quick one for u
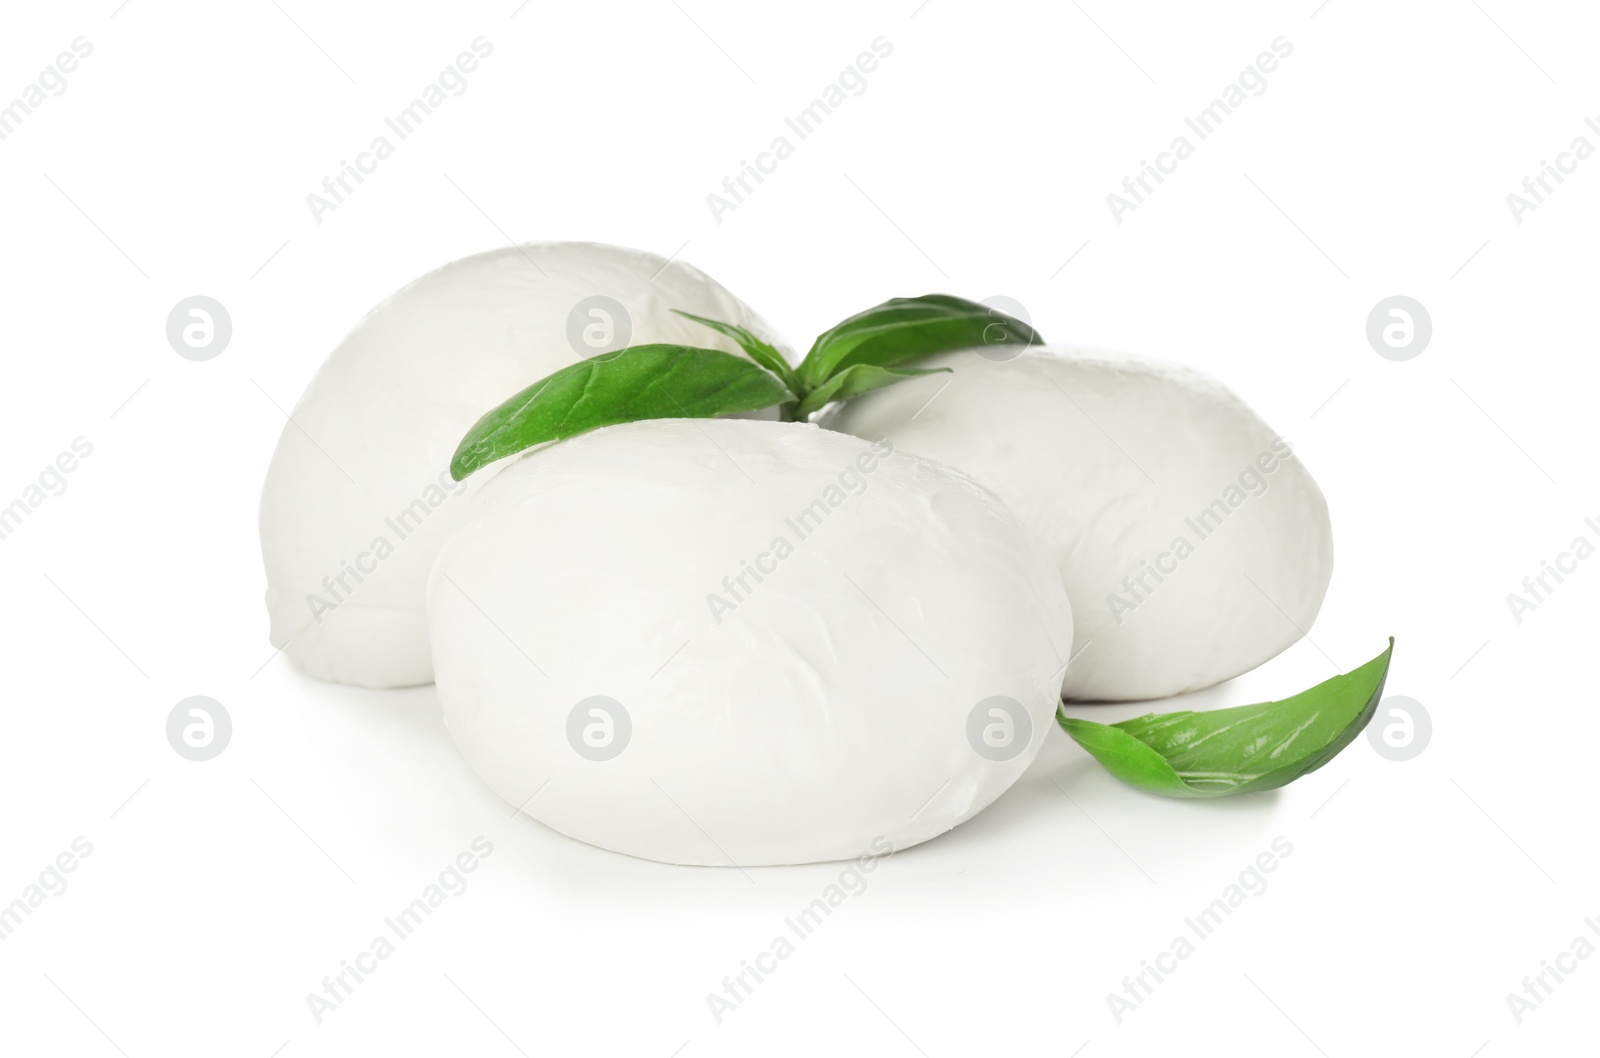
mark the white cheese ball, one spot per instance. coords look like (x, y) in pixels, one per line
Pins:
(359, 495)
(724, 642)
(1193, 544)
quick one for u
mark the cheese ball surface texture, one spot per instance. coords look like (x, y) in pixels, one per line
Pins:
(886, 671)
(358, 496)
(1194, 546)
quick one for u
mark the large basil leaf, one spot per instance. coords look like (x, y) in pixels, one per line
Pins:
(1239, 750)
(905, 329)
(640, 382)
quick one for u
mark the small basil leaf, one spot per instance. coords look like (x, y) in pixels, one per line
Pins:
(856, 380)
(904, 329)
(640, 382)
(759, 351)
(1240, 750)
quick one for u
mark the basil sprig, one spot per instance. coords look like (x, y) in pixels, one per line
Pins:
(863, 353)
(1240, 750)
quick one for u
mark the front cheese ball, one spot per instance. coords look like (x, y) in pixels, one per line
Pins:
(727, 642)
(359, 495)
(1193, 544)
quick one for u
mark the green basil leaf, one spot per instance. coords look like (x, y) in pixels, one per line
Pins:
(759, 351)
(640, 382)
(856, 380)
(1240, 750)
(904, 329)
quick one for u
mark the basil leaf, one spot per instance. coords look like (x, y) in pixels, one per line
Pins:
(640, 382)
(856, 380)
(904, 329)
(759, 351)
(1239, 750)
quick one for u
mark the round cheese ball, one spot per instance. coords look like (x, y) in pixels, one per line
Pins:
(727, 642)
(1193, 544)
(359, 495)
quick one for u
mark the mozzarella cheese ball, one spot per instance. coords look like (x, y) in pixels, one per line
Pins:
(1193, 544)
(730, 642)
(359, 495)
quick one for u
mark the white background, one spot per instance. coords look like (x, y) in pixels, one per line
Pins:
(978, 161)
